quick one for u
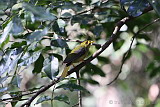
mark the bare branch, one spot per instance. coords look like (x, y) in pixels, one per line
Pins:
(129, 50)
(17, 96)
(43, 89)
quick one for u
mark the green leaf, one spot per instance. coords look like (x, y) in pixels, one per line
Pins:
(31, 59)
(38, 64)
(88, 2)
(118, 44)
(17, 6)
(10, 60)
(58, 56)
(39, 13)
(6, 31)
(93, 70)
(59, 43)
(42, 99)
(6, 4)
(103, 59)
(97, 30)
(5, 42)
(153, 68)
(82, 19)
(33, 46)
(56, 28)
(72, 87)
(154, 72)
(143, 48)
(61, 23)
(137, 53)
(17, 81)
(18, 44)
(37, 35)
(63, 98)
(66, 15)
(77, 6)
(17, 27)
(150, 66)
(2, 79)
(32, 26)
(156, 52)
(108, 4)
(143, 36)
(3, 89)
(91, 81)
(51, 67)
(107, 19)
(128, 55)
(136, 7)
(156, 5)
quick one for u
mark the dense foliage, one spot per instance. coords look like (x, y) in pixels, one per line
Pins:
(36, 35)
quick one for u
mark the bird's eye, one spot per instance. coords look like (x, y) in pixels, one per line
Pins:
(86, 42)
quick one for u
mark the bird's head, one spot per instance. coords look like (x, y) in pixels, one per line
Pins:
(87, 43)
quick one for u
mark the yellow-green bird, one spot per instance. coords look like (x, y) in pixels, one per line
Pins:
(76, 55)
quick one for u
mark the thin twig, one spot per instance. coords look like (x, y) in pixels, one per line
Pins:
(123, 61)
(85, 11)
(43, 89)
(70, 40)
(17, 96)
(129, 50)
(147, 25)
(52, 95)
(17, 100)
(79, 92)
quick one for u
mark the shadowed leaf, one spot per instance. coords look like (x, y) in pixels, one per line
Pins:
(38, 64)
(59, 43)
(37, 35)
(31, 59)
(72, 87)
(42, 99)
(3, 89)
(17, 81)
(63, 98)
(51, 67)
(39, 13)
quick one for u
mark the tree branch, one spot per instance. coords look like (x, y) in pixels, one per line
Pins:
(43, 89)
(129, 50)
(78, 67)
(103, 47)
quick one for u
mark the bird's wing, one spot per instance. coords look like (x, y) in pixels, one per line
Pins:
(73, 56)
(65, 72)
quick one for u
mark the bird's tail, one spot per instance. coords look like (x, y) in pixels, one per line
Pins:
(65, 71)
